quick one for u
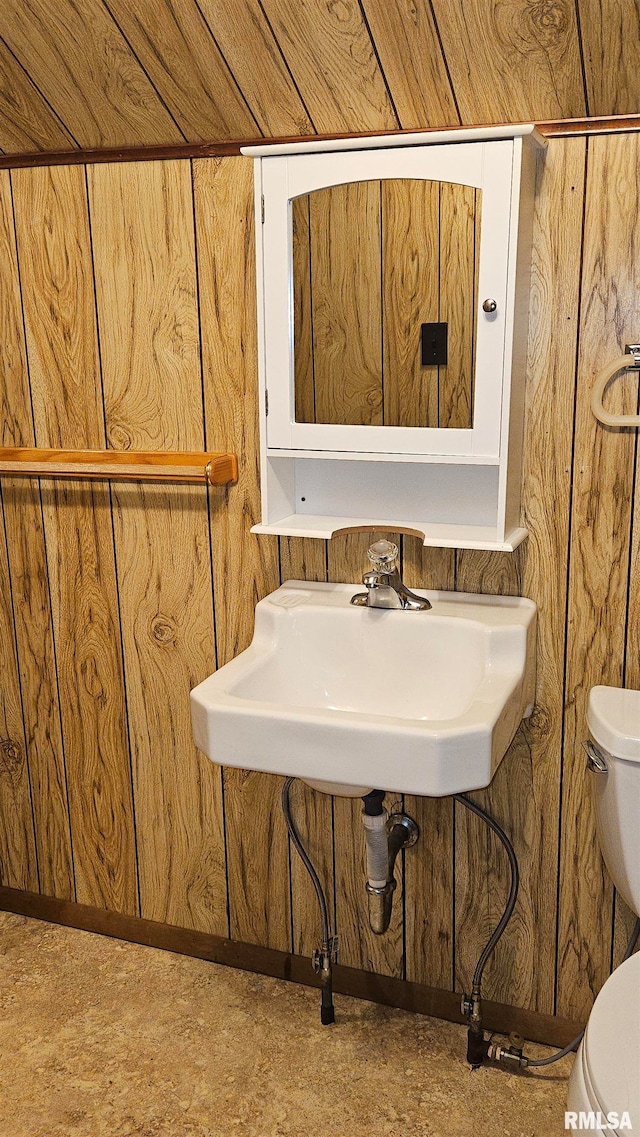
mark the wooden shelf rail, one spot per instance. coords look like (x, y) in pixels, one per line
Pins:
(214, 469)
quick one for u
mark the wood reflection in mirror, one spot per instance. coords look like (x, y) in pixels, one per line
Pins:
(372, 262)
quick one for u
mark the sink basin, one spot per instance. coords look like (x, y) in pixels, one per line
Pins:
(351, 699)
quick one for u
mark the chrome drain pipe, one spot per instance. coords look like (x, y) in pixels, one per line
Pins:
(385, 837)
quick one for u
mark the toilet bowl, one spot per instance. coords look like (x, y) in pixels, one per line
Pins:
(605, 1080)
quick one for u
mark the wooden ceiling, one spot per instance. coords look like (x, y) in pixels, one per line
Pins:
(111, 73)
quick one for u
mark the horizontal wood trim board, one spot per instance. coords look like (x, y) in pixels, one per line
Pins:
(383, 989)
(212, 467)
(560, 128)
(129, 154)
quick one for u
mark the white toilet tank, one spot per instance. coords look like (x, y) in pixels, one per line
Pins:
(614, 722)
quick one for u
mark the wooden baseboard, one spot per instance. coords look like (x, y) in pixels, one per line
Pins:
(383, 989)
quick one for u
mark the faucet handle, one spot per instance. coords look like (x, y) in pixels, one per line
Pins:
(384, 556)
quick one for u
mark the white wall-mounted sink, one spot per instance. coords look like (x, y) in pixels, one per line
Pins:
(351, 699)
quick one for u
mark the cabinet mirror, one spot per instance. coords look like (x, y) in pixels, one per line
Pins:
(385, 291)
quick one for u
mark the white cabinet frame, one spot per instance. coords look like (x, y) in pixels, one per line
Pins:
(456, 488)
(487, 166)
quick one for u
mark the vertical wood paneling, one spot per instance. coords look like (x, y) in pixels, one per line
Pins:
(144, 251)
(77, 520)
(245, 567)
(39, 682)
(18, 866)
(347, 312)
(600, 551)
(59, 306)
(302, 558)
(302, 310)
(549, 412)
(30, 588)
(429, 893)
(457, 302)
(410, 276)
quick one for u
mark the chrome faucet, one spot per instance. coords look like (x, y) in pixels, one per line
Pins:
(383, 583)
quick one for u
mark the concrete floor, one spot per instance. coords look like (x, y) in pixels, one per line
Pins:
(101, 1037)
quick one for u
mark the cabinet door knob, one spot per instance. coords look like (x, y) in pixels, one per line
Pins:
(489, 305)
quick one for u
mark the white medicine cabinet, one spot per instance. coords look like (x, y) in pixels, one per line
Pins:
(393, 279)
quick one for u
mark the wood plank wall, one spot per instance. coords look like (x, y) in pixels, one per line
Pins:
(127, 317)
(108, 73)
